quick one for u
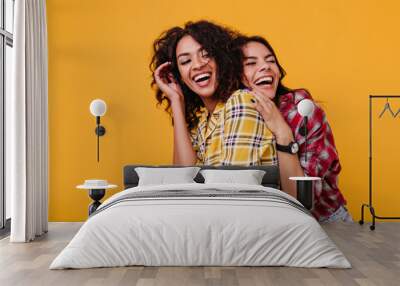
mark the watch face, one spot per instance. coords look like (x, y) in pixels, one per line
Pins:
(295, 148)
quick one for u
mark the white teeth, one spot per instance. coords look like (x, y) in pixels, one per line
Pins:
(201, 77)
(265, 80)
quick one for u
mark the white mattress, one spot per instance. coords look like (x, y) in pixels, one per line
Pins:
(191, 231)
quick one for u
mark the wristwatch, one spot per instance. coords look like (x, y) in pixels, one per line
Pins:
(292, 148)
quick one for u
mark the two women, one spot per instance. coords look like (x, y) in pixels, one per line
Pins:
(197, 76)
(198, 69)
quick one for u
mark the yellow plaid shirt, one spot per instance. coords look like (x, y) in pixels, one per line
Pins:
(234, 134)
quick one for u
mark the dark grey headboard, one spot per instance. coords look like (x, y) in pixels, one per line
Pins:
(271, 177)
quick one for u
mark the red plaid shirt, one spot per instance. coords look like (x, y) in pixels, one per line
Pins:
(322, 156)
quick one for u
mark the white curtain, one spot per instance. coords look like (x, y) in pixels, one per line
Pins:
(26, 124)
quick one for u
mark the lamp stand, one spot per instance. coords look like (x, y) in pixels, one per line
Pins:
(100, 131)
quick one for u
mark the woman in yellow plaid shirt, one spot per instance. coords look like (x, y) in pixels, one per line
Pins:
(198, 78)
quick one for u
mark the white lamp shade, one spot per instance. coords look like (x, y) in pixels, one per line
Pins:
(98, 107)
(305, 107)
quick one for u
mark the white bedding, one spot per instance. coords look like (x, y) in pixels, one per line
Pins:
(200, 231)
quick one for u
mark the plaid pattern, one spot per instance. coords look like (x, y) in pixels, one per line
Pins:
(322, 156)
(234, 134)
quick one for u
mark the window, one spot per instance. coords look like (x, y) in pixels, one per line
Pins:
(6, 57)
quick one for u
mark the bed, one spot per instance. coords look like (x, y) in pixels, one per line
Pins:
(198, 224)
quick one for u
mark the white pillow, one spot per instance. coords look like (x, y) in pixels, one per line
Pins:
(163, 176)
(249, 177)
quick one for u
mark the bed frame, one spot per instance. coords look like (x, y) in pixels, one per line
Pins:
(270, 179)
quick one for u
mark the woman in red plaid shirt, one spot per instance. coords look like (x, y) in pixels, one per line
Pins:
(263, 75)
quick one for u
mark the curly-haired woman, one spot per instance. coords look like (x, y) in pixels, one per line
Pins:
(197, 78)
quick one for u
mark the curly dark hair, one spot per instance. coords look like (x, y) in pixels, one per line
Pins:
(217, 41)
(237, 46)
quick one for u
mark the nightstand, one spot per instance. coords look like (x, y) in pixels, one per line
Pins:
(97, 190)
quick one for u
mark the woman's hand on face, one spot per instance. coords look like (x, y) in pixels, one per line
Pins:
(272, 116)
(167, 83)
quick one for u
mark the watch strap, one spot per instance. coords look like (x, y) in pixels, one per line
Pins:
(288, 148)
(284, 148)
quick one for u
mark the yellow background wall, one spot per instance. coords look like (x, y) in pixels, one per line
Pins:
(342, 51)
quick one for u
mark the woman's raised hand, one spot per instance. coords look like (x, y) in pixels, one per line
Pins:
(272, 116)
(168, 84)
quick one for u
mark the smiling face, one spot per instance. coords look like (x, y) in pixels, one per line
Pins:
(198, 71)
(260, 69)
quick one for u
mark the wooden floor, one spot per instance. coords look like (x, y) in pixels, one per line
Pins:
(375, 256)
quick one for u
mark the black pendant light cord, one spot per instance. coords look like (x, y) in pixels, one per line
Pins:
(98, 137)
(305, 131)
(98, 145)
